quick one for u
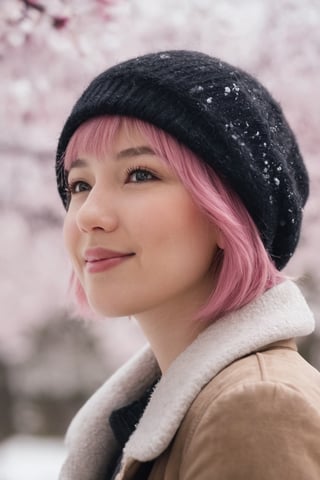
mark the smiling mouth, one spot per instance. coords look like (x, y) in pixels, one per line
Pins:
(103, 264)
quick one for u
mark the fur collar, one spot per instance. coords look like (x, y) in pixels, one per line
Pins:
(281, 313)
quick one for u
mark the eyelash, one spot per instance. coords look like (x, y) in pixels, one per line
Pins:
(147, 170)
(72, 187)
(129, 171)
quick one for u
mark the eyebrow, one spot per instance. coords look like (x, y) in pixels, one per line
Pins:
(134, 152)
(78, 163)
(123, 154)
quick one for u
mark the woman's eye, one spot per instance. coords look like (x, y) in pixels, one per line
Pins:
(78, 187)
(138, 175)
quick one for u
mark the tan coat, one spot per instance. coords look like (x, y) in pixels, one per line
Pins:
(258, 419)
(233, 406)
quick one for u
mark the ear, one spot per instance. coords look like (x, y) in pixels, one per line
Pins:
(220, 240)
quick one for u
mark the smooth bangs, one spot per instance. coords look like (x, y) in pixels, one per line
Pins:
(93, 137)
(242, 270)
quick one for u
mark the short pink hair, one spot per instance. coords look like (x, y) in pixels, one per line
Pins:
(243, 270)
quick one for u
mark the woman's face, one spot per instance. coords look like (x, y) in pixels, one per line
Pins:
(136, 239)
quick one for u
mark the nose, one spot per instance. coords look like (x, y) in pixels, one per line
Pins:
(97, 213)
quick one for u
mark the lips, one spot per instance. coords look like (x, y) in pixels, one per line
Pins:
(99, 259)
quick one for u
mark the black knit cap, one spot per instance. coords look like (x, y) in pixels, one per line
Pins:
(223, 115)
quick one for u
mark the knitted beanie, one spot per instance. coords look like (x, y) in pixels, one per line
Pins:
(221, 113)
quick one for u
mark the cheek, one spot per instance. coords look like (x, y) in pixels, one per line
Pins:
(70, 237)
(179, 232)
(195, 242)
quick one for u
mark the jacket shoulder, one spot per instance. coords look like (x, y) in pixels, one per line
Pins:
(279, 363)
(259, 418)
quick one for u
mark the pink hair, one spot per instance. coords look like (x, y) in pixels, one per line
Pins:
(243, 270)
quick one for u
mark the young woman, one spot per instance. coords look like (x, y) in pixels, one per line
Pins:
(184, 189)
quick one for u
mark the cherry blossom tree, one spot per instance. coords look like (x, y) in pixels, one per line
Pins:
(51, 49)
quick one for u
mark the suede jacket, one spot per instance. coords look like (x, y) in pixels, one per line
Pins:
(239, 403)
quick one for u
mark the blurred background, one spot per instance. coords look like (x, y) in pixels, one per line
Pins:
(50, 362)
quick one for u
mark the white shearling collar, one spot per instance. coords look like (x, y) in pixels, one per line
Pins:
(279, 314)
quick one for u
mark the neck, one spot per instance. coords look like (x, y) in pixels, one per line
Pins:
(169, 332)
